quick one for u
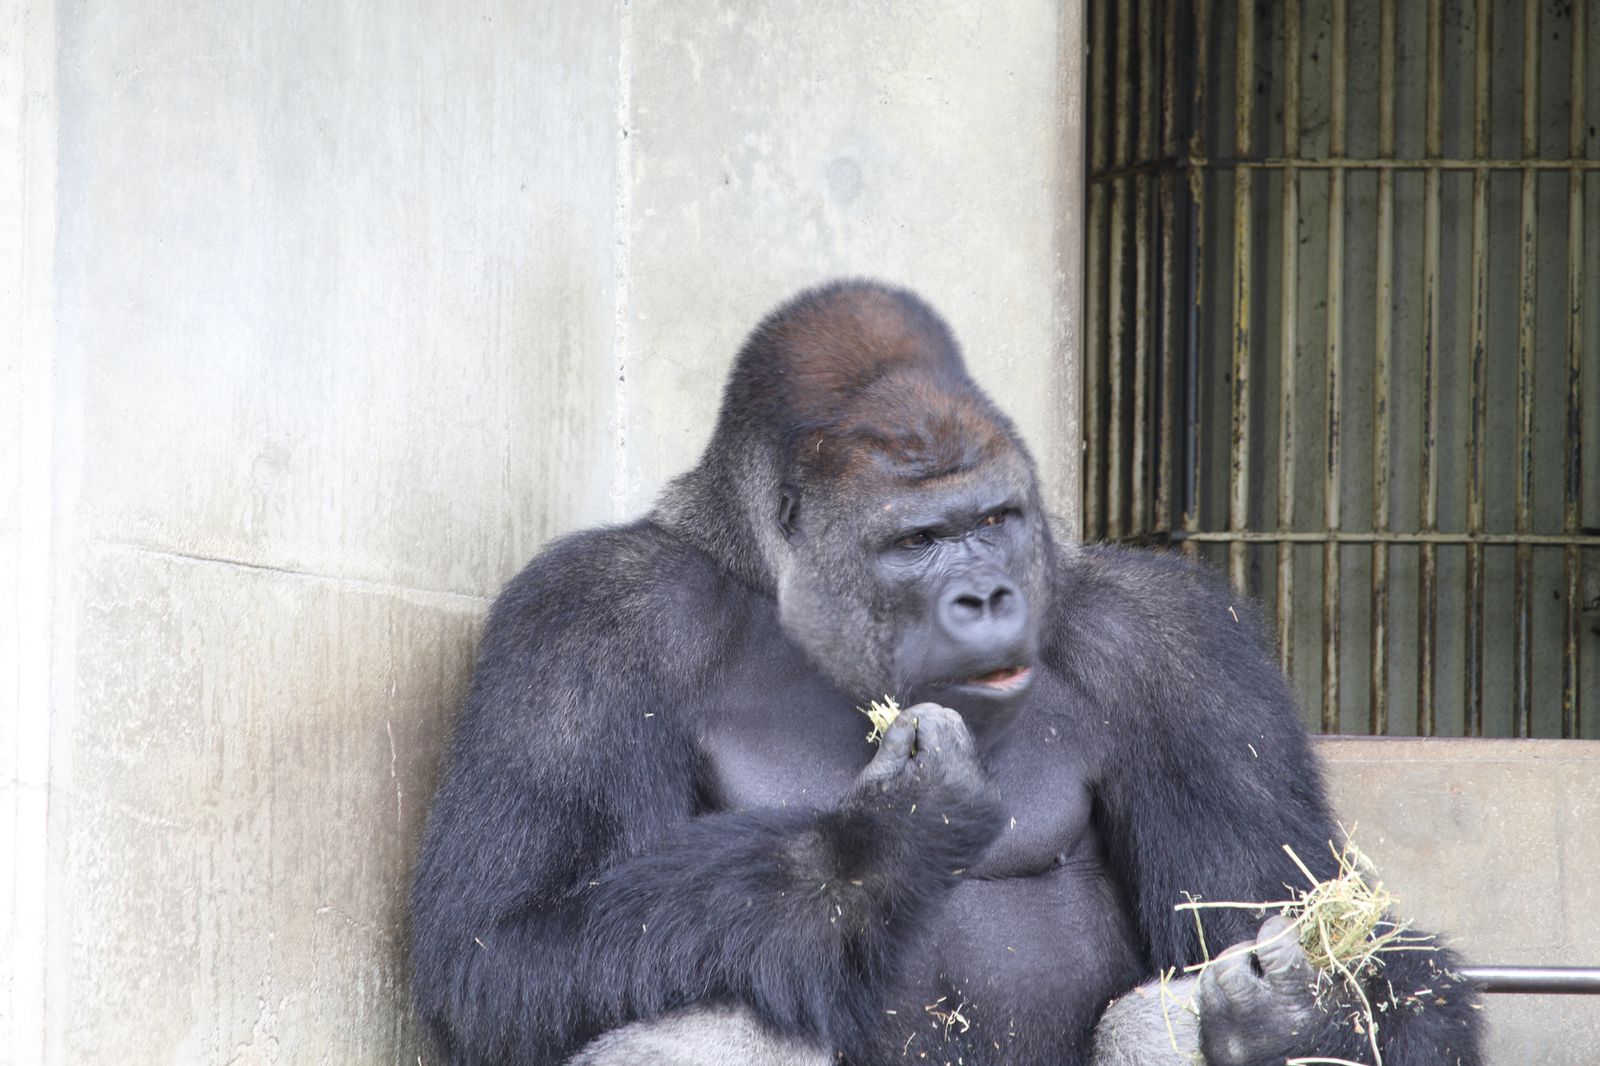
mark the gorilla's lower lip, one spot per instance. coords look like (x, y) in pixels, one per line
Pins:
(1005, 679)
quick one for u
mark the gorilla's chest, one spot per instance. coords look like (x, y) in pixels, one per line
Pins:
(775, 733)
(778, 734)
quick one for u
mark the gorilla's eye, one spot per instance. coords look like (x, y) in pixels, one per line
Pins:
(912, 541)
(995, 519)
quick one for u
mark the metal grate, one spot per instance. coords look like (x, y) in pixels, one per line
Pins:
(1337, 272)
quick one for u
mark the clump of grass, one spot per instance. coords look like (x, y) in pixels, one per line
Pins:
(882, 716)
(1343, 922)
(1344, 926)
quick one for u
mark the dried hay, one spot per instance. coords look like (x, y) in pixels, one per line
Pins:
(882, 716)
(1344, 927)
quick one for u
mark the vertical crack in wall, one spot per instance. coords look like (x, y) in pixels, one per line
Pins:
(399, 795)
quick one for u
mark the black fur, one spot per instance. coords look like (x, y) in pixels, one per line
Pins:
(659, 796)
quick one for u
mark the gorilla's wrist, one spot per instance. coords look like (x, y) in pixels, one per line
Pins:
(932, 827)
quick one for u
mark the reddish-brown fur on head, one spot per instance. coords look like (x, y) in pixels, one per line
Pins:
(858, 378)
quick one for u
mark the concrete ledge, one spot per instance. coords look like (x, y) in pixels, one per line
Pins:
(1495, 843)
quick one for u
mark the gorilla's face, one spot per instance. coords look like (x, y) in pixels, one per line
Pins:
(923, 589)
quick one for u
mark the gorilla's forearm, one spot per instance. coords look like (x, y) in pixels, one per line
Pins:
(1425, 1016)
(797, 914)
(801, 916)
(1209, 783)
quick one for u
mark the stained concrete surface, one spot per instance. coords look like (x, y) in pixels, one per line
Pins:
(316, 328)
(1493, 843)
(917, 143)
(248, 778)
(318, 321)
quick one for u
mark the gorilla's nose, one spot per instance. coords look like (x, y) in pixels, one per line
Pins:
(983, 615)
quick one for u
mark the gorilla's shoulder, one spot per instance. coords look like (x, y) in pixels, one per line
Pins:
(1129, 610)
(613, 572)
(632, 594)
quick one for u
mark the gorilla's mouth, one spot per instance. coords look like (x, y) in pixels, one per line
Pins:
(1004, 679)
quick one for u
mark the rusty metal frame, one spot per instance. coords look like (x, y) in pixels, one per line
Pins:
(1153, 180)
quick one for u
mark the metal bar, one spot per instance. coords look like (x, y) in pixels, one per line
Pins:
(1478, 345)
(1331, 501)
(1117, 305)
(1527, 340)
(1427, 569)
(1572, 439)
(1288, 327)
(1239, 440)
(1196, 311)
(1534, 540)
(1383, 327)
(1539, 980)
(1166, 462)
(1346, 163)
(1096, 281)
(1144, 254)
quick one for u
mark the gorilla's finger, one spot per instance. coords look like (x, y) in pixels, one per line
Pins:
(899, 739)
(1283, 961)
(942, 731)
(893, 753)
(1229, 981)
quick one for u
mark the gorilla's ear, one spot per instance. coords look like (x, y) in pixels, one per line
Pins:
(788, 509)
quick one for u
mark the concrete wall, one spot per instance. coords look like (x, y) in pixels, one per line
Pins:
(318, 320)
(1491, 842)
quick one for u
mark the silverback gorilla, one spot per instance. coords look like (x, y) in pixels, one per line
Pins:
(662, 826)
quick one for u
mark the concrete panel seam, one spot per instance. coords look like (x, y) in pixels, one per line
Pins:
(446, 596)
(29, 200)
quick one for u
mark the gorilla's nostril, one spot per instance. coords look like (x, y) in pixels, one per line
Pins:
(968, 606)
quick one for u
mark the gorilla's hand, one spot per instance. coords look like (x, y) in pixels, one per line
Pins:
(928, 749)
(1257, 999)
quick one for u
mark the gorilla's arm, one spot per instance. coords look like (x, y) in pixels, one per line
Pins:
(1207, 774)
(565, 884)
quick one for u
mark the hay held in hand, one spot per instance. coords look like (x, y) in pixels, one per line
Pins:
(1343, 925)
(882, 716)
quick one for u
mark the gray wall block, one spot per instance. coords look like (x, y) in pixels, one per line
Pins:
(770, 149)
(1492, 843)
(245, 783)
(336, 280)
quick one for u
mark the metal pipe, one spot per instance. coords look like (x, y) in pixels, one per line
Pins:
(1527, 340)
(1143, 255)
(1095, 281)
(1348, 163)
(1117, 309)
(1427, 569)
(1536, 540)
(1196, 312)
(1473, 627)
(1239, 438)
(1288, 327)
(1383, 328)
(1166, 417)
(1536, 980)
(1331, 501)
(1572, 439)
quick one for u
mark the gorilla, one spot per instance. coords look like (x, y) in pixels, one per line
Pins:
(663, 836)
